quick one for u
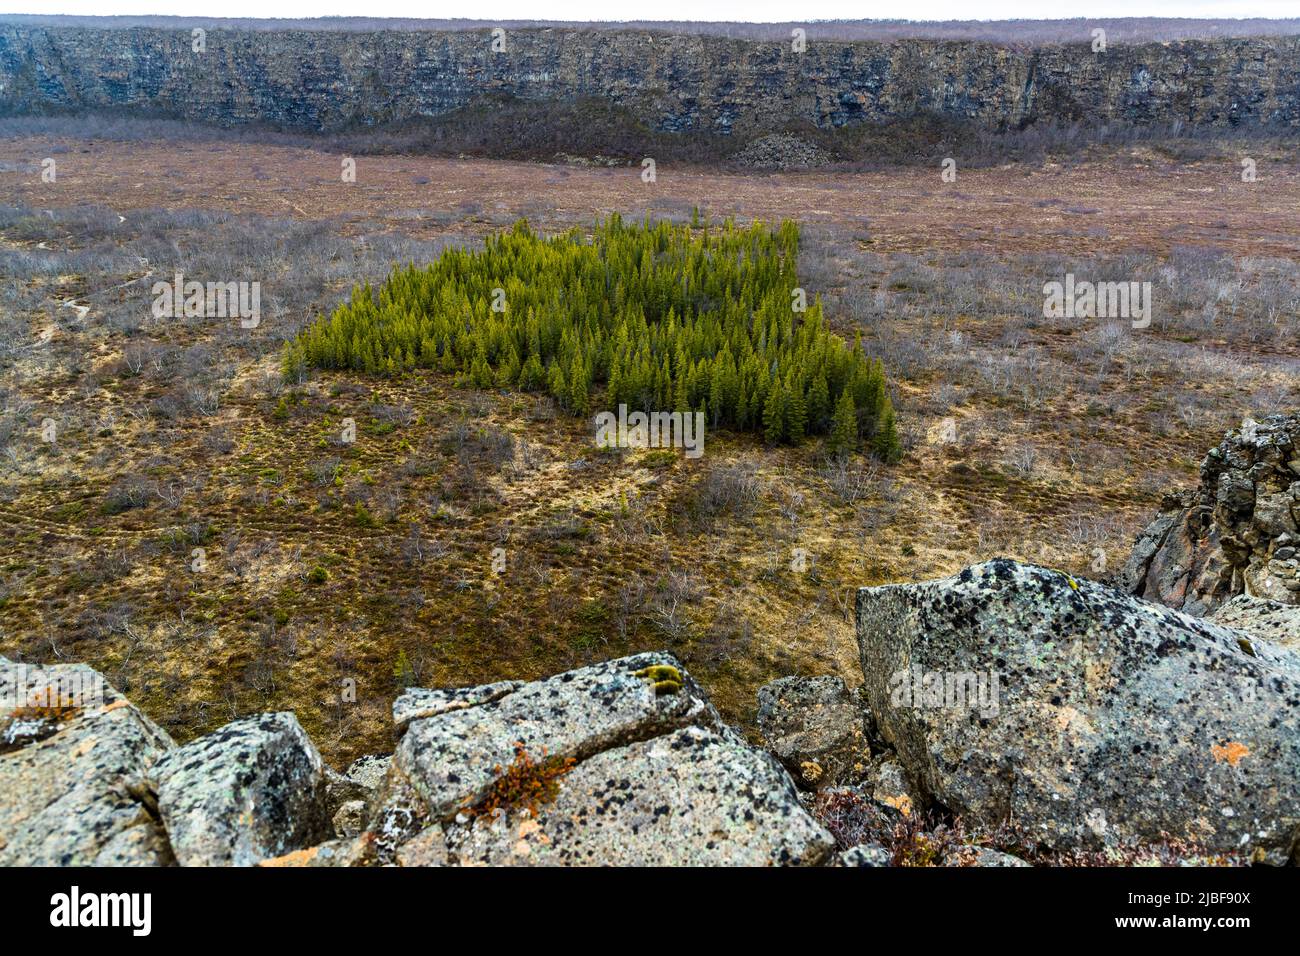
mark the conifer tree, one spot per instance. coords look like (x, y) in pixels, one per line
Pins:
(844, 426)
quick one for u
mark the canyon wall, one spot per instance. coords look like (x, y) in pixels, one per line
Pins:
(321, 81)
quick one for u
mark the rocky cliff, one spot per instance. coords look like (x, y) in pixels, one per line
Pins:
(1237, 533)
(320, 81)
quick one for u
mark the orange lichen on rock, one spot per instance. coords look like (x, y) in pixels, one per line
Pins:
(1231, 752)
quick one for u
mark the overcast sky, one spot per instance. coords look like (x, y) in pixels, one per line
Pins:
(749, 10)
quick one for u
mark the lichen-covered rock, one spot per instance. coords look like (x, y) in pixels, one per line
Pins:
(333, 853)
(981, 856)
(71, 771)
(1014, 692)
(368, 772)
(252, 790)
(866, 855)
(426, 848)
(1237, 533)
(350, 819)
(453, 758)
(889, 787)
(689, 798)
(1263, 620)
(814, 726)
(417, 703)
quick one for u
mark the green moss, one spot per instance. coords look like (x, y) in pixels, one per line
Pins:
(665, 678)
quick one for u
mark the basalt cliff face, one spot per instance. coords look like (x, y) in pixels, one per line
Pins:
(314, 80)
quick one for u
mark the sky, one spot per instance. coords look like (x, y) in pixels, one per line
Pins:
(744, 10)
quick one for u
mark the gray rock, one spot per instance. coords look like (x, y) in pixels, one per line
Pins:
(332, 853)
(981, 856)
(368, 772)
(71, 791)
(1235, 533)
(452, 759)
(866, 854)
(350, 819)
(427, 848)
(690, 798)
(417, 703)
(253, 790)
(814, 726)
(1085, 715)
(360, 782)
(1263, 620)
(890, 787)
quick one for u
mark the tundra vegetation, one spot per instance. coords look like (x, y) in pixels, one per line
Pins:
(472, 532)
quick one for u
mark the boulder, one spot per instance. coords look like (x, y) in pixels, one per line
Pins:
(688, 798)
(1014, 692)
(814, 726)
(368, 772)
(350, 819)
(889, 787)
(1262, 620)
(1237, 533)
(618, 763)
(73, 755)
(453, 758)
(252, 790)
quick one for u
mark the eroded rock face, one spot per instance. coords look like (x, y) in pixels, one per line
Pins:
(1263, 620)
(649, 775)
(71, 778)
(1109, 719)
(253, 790)
(814, 726)
(1238, 533)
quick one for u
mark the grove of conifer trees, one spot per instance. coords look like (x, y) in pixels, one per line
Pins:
(657, 316)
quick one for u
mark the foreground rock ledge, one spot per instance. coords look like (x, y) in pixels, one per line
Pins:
(655, 777)
(639, 767)
(1111, 719)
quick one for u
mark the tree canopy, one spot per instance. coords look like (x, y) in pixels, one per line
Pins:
(657, 316)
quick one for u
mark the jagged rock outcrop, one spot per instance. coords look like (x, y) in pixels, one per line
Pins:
(322, 80)
(625, 762)
(1237, 533)
(815, 727)
(1014, 692)
(73, 755)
